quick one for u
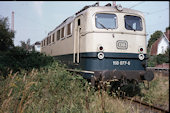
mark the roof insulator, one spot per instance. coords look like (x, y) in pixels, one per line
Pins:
(86, 7)
(109, 4)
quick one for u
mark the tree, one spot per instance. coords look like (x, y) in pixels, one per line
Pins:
(154, 37)
(161, 58)
(6, 35)
(23, 45)
(26, 45)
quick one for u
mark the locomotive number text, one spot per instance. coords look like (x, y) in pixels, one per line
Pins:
(121, 63)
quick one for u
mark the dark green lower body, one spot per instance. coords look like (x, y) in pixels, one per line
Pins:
(90, 61)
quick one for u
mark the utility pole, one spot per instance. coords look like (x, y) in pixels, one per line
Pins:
(12, 27)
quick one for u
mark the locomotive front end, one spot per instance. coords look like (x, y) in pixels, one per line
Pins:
(116, 45)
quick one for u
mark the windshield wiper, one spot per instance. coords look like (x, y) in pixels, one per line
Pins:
(102, 25)
(130, 27)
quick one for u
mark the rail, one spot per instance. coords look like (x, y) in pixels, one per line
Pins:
(155, 68)
(146, 105)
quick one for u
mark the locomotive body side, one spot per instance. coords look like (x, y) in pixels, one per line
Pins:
(102, 41)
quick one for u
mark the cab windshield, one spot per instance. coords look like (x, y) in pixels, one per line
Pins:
(106, 21)
(133, 23)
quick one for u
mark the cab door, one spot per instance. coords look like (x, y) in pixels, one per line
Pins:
(77, 31)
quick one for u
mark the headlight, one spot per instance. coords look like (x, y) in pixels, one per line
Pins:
(141, 56)
(100, 55)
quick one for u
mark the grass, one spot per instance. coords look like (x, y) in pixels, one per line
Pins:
(52, 89)
(102, 103)
(47, 90)
(158, 93)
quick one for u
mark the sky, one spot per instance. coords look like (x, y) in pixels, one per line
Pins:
(35, 19)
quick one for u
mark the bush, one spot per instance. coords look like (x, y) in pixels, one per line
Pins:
(152, 61)
(17, 58)
(162, 58)
(159, 59)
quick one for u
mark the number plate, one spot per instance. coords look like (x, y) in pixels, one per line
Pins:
(121, 63)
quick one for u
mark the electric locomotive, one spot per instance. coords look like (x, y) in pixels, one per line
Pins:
(104, 42)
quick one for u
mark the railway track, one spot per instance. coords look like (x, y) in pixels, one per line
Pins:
(158, 69)
(145, 106)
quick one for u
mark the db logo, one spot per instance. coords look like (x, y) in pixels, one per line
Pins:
(122, 44)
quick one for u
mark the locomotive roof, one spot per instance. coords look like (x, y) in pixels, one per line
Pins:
(93, 9)
(110, 9)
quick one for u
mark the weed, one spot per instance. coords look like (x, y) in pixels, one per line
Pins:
(158, 92)
(53, 89)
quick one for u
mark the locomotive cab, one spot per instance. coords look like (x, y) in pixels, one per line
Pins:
(110, 41)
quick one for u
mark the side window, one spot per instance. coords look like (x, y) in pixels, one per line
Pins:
(49, 39)
(53, 37)
(69, 30)
(62, 32)
(41, 43)
(58, 35)
(79, 22)
(162, 49)
(71, 26)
